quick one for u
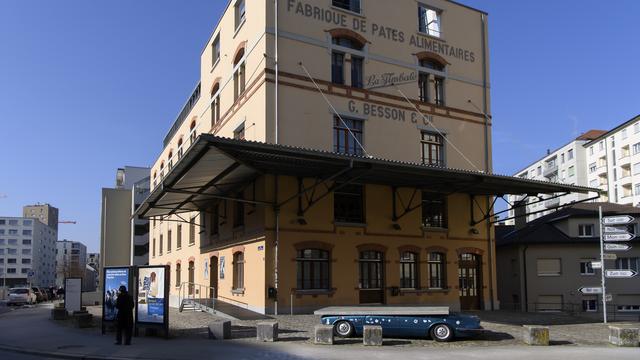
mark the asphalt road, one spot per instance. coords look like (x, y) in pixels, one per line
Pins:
(17, 356)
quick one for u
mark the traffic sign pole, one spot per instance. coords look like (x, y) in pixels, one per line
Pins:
(604, 289)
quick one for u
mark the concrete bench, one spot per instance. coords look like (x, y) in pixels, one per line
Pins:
(323, 335)
(220, 330)
(267, 331)
(372, 335)
(536, 335)
(624, 336)
(82, 319)
(58, 314)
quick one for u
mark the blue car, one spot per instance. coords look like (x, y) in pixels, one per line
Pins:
(438, 327)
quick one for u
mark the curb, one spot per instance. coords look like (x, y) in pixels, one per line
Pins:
(63, 355)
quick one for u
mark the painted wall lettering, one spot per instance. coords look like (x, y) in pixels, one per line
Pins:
(388, 113)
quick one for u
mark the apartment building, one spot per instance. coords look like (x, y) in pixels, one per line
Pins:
(71, 260)
(334, 152)
(46, 213)
(613, 163)
(93, 260)
(27, 252)
(568, 165)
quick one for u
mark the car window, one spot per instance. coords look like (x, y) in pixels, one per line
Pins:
(19, 291)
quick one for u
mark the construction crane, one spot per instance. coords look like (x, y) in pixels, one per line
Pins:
(66, 222)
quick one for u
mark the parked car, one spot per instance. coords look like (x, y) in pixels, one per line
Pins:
(21, 296)
(396, 324)
(39, 295)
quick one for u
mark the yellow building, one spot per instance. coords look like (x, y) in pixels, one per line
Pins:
(336, 153)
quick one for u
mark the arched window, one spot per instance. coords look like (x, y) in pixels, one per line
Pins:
(191, 271)
(408, 270)
(312, 269)
(238, 271)
(180, 150)
(192, 132)
(238, 74)
(170, 159)
(343, 39)
(162, 170)
(215, 105)
(436, 264)
(178, 274)
(431, 86)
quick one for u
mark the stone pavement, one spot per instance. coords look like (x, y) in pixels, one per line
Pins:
(31, 331)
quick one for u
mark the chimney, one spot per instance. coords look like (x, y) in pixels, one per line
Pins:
(548, 151)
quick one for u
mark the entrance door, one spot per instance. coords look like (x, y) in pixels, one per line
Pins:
(213, 277)
(371, 264)
(191, 273)
(470, 281)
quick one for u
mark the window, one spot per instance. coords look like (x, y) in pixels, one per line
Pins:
(408, 270)
(432, 149)
(628, 263)
(562, 158)
(178, 274)
(347, 135)
(351, 5)
(539, 170)
(636, 128)
(601, 145)
(215, 106)
(27, 222)
(591, 150)
(153, 249)
(572, 171)
(192, 231)
(624, 134)
(215, 220)
(636, 189)
(429, 21)
(434, 210)
(191, 277)
(549, 267)
(436, 263)
(215, 50)
(357, 72)
(585, 230)
(12, 261)
(592, 167)
(636, 148)
(585, 267)
(161, 244)
(168, 240)
(240, 13)
(238, 271)
(348, 203)
(570, 154)
(431, 87)
(590, 305)
(337, 68)
(13, 222)
(3, 222)
(238, 211)
(312, 269)
(26, 251)
(238, 133)
(26, 261)
(12, 251)
(338, 59)
(238, 75)
(11, 271)
(626, 308)
(13, 232)
(13, 241)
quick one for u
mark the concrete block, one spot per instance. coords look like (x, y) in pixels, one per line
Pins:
(536, 335)
(323, 335)
(624, 336)
(58, 314)
(267, 331)
(82, 320)
(372, 335)
(220, 330)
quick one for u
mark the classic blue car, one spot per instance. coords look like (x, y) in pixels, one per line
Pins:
(399, 324)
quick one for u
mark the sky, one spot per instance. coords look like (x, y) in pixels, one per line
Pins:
(87, 87)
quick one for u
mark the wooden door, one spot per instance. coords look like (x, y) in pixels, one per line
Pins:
(371, 266)
(470, 281)
(213, 277)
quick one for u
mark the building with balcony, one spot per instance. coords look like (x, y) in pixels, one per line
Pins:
(334, 152)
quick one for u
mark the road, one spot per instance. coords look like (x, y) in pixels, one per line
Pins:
(17, 356)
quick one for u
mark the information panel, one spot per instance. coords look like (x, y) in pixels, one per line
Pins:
(73, 294)
(151, 295)
(113, 279)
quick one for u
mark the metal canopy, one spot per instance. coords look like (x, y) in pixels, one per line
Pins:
(215, 168)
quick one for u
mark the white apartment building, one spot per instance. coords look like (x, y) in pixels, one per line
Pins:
(564, 165)
(613, 163)
(71, 260)
(27, 252)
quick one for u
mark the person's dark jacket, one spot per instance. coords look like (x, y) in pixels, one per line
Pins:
(124, 304)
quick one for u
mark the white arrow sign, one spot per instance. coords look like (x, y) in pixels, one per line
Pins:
(617, 220)
(620, 273)
(614, 230)
(617, 247)
(618, 237)
(609, 256)
(596, 265)
(590, 290)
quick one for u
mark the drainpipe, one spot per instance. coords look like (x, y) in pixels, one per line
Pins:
(486, 152)
(276, 72)
(524, 278)
(276, 209)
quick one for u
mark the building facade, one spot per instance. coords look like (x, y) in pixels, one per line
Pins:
(542, 264)
(46, 213)
(27, 252)
(71, 260)
(357, 80)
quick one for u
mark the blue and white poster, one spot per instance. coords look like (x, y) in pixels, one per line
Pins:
(151, 295)
(113, 279)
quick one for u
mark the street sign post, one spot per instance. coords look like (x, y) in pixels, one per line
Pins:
(617, 247)
(617, 220)
(619, 237)
(590, 290)
(614, 230)
(620, 274)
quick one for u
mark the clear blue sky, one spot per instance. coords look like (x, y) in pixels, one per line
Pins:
(89, 86)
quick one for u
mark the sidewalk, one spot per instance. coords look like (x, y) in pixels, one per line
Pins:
(30, 331)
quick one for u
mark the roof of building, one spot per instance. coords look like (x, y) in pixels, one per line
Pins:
(591, 134)
(213, 167)
(615, 129)
(543, 230)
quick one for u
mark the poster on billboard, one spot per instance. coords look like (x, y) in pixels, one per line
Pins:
(73, 294)
(152, 302)
(113, 279)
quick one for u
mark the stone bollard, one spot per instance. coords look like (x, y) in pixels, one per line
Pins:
(323, 335)
(82, 319)
(267, 331)
(372, 335)
(220, 330)
(58, 314)
(624, 336)
(536, 335)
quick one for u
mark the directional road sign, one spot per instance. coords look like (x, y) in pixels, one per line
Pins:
(618, 237)
(620, 273)
(596, 265)
(590, 290)
(608, 297)
(614, 230)
(617, 220)
(609, 256)
(617, 247)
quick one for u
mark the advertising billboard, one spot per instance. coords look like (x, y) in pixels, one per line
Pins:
(113, 279)
(73, 294)
(151, 304)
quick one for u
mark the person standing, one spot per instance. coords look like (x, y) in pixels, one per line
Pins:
(124, 319)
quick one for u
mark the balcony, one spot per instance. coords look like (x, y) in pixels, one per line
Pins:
(625, 180)
(625, 161)
(550, 170)
(601, 170)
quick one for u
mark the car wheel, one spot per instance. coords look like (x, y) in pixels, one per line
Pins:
(441, 333)
(343, 328)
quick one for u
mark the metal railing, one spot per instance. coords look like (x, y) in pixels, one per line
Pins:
(197, 297)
